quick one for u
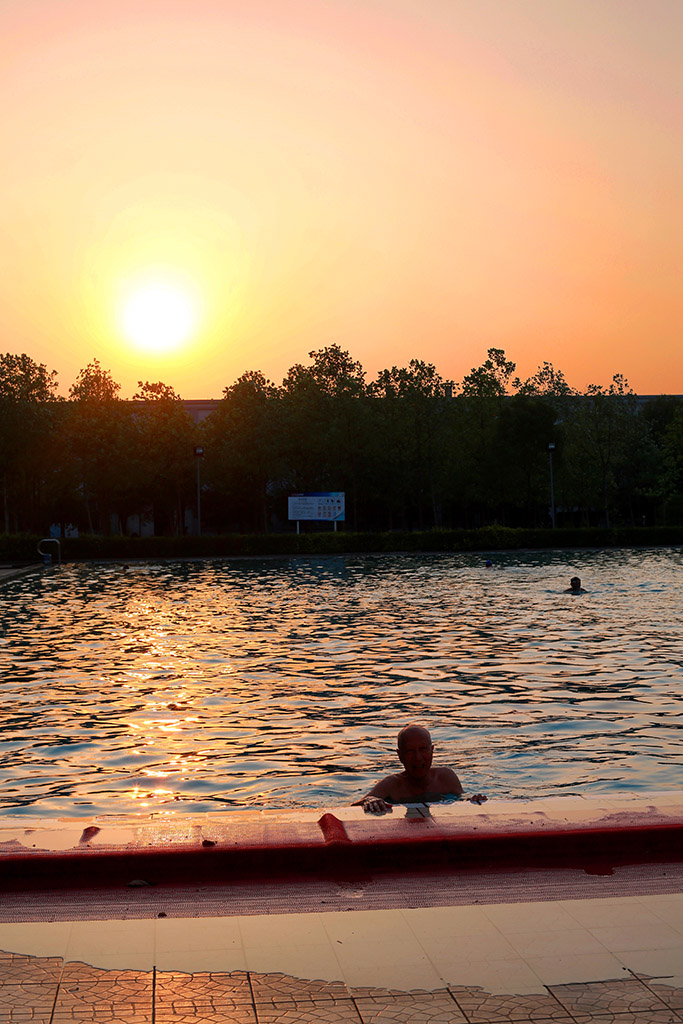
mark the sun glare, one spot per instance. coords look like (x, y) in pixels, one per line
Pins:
(158, 316)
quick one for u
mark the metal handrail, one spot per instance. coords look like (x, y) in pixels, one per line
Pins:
(46, 554)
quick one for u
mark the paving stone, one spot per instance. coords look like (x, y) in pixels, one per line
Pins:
(326, 1012)
(605, 997)
(177, 988)
(282, 988)
(416, 1009)
(365, 992)
(23, 1016)
(102, 1015)
(124, 995)
(669, 994)
(640, 1017)
(213, 1012)
(481, 1007)
(544, 1020)
(16, 968)
(87, 973)
(122, 986)
(27, 1001)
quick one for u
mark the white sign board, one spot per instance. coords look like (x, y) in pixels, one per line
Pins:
(321, 505)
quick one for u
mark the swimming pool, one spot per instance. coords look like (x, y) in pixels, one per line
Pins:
(200, 685)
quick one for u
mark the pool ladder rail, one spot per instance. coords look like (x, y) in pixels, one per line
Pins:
(47, 557)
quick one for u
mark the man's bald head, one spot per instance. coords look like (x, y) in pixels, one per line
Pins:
(413, 733)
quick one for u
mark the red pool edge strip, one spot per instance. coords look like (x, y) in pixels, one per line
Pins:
(595, 850)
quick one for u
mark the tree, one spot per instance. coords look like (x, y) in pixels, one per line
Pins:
(546, 381)
(23, 380)
(483, 390)
(491, 379)
(243, 451)
(672, 475)
(609, 448)
(94, 385)
(324, 417)
(524, 426)
(99, 435)
(332, 372)
(411, 415)
(28, 404)
(164, 442)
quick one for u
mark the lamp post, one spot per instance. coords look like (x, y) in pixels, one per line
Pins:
(551, 449)
(199, 455)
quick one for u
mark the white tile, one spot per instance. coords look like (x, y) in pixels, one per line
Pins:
(447, 921)
(554, 943)
(495, 976)
(91, 939)
(610, 913)
(36, 938)
(657, 962)
(121, 961)
(642, 936)
(196, 960)
(379, 954)
(669, 910)
(575, 969)
(281, 929)
(669, 897)
(672, 980)
(197, 933)
(402, 977)
(529, 917)
(377, 926)
(477, 946)
(309, 962)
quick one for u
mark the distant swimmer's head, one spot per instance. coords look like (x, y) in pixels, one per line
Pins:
(489, 563)
(575, 586)
(415, 751)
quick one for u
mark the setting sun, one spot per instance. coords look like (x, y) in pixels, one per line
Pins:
(158, 316)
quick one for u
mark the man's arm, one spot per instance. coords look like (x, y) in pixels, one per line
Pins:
(450, 783)
(375, 802)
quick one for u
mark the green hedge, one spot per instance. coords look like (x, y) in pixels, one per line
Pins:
(22, 548)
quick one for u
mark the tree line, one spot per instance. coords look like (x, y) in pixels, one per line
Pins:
(410, 449)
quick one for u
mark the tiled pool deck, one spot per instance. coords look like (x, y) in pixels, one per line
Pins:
(502, 943)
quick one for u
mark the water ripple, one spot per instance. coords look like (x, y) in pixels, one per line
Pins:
(282, 682)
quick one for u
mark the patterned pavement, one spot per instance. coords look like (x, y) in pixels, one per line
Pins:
(47, 990)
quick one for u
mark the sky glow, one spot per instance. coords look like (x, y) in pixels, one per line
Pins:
(406, 178)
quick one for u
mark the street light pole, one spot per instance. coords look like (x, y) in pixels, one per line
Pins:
(199, 454)
(551, 449)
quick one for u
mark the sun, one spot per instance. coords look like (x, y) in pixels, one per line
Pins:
(158, 315)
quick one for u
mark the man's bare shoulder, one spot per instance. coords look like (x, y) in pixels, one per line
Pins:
(390, 786)
(447, 781)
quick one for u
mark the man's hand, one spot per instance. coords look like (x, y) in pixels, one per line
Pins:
(478, 798)
(375, 805)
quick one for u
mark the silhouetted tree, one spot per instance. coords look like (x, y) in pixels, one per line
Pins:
(164, 447)
(28, 412)
(411, 410)
(243, 441)
(99, 433)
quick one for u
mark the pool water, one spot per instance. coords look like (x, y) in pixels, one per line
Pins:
(201, 685)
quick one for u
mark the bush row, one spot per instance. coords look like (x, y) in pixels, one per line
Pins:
(23, 547)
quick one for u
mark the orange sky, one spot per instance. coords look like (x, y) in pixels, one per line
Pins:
(407, 178)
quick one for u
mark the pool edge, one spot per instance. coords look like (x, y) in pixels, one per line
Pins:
(595, 834)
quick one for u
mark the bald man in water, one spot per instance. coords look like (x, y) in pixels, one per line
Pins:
(418, 782)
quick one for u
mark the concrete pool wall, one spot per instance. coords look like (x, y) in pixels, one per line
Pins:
(594, 834)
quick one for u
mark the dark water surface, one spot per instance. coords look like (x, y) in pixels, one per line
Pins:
(282, 683)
